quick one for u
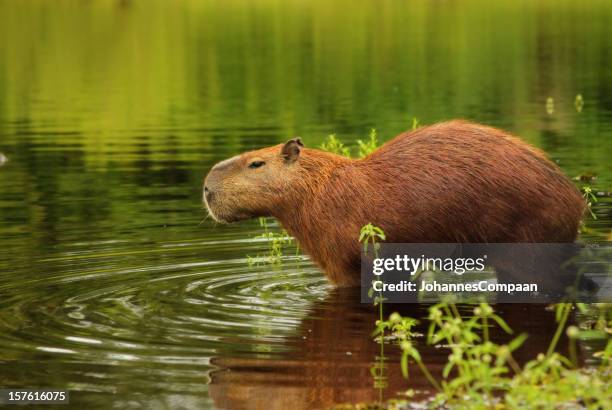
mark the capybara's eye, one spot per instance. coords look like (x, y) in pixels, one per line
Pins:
(256, 164)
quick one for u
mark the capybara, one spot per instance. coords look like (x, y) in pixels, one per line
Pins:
(452, 182)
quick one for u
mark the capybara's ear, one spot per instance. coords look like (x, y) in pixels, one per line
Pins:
(291, 149)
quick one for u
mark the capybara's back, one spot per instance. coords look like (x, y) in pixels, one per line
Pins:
(462, 182)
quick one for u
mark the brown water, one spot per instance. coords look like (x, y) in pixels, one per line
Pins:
(112, 282)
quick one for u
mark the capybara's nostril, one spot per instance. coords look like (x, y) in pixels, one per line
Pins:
(207, 194)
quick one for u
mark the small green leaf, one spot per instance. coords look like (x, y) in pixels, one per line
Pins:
(404, 365)
(502, 324)
(517, 342)
(447, 369)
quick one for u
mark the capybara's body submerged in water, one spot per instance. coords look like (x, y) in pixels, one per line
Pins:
(450, 182)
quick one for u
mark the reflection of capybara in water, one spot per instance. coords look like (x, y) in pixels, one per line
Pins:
(450, 182)
(330, 359)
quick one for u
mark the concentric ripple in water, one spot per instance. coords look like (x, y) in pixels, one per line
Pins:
(148, 312)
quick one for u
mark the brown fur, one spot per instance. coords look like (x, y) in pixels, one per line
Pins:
(450, 182)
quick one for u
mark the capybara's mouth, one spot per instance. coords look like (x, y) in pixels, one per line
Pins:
(216, 218)
(226, 219)
(211, 213)
(234, 217)
(222, 217)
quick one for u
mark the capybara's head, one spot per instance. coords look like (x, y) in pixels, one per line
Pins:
(252, 184)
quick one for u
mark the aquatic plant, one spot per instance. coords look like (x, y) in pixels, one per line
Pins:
(372, 235)
(550, 105)
(579, 102)
(368, 146)
(590, 198)
(334, 145)
(277, 242)
(482, 374)
(365, 147)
